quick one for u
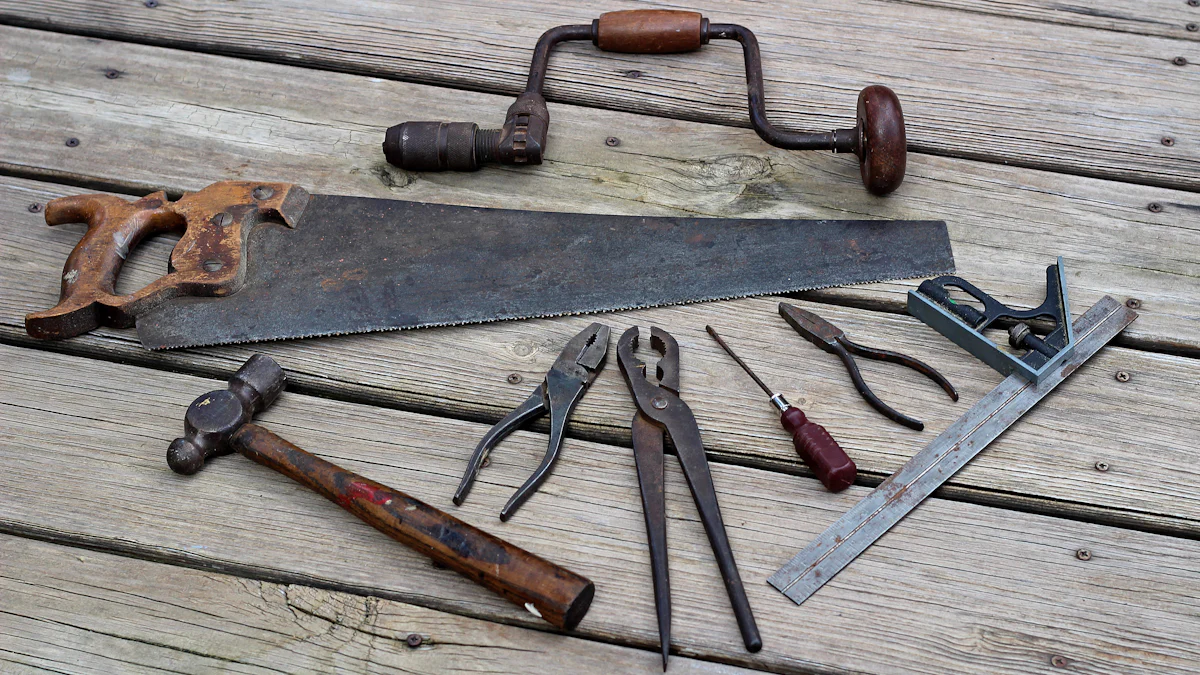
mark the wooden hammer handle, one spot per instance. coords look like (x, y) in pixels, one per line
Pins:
(546, 590)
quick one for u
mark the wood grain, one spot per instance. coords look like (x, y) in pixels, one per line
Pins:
(177, 121)
(1166, 18)
(69, 610)
(1050, 457)
(954, 588)
(1099, 106)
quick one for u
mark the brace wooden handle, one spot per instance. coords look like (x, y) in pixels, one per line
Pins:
(650, 31)
(820, 451)
(549, 591)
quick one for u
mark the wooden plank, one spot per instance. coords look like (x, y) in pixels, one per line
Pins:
(1060, 97)
(180, 121)
(68, 610)
(1166, 18)
(954, 588)
(1049, 458)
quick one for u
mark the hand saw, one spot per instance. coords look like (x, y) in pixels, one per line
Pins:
(861, 526)
(268, 261)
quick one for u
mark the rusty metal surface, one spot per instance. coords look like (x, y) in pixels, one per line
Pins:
(862, 525)
(878, 138)
(661, 411)
(208, 260)
(359, 264)
(832, 339)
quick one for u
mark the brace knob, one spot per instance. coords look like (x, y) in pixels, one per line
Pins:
(882, 144)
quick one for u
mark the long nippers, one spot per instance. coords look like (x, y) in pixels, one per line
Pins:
(574, 370)
(661, 412)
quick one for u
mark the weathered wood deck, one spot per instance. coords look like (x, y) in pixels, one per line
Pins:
(1037, 129)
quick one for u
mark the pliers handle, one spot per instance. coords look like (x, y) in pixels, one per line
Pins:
(832, 339)
(662, 413)
(844, 347)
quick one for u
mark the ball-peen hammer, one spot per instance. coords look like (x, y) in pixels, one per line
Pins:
(218, 423)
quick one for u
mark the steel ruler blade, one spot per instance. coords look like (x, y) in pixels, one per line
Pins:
(868, 520)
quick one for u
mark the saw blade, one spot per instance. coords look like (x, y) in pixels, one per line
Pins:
(868, 520)
(355, 264)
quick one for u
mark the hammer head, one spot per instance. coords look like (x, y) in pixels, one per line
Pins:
(212, 418)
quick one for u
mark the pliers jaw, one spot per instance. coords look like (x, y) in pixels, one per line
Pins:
(651, 399)
(567, 380)
(585, 354)
(814, 329)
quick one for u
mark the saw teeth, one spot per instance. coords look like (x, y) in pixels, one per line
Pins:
(601, 310)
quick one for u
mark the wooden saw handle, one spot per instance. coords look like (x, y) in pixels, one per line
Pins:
(208, 260)
(546, 590)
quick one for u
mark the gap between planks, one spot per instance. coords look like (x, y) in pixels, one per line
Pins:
(955, 587)
(1097, 107)
(74, 612)
(1164, 18)
(180, 121)
(1091, 418)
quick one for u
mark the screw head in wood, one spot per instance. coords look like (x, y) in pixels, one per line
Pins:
(1179, 61)
(151, 3)
(1122, 376)
(1102, 466)
(1167, 141)
(1193, 3)
(1059, 661)
(612, 141)
(1133, 303)
(72, 142)
(1154, 207)
(35, 208)
(413, 640)
(1083, 554)
(112, 73)
(1192, 27)
(515, 378)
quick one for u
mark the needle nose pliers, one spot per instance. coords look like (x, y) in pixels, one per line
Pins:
(567, 380)
(833, 340)
(661, 412)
